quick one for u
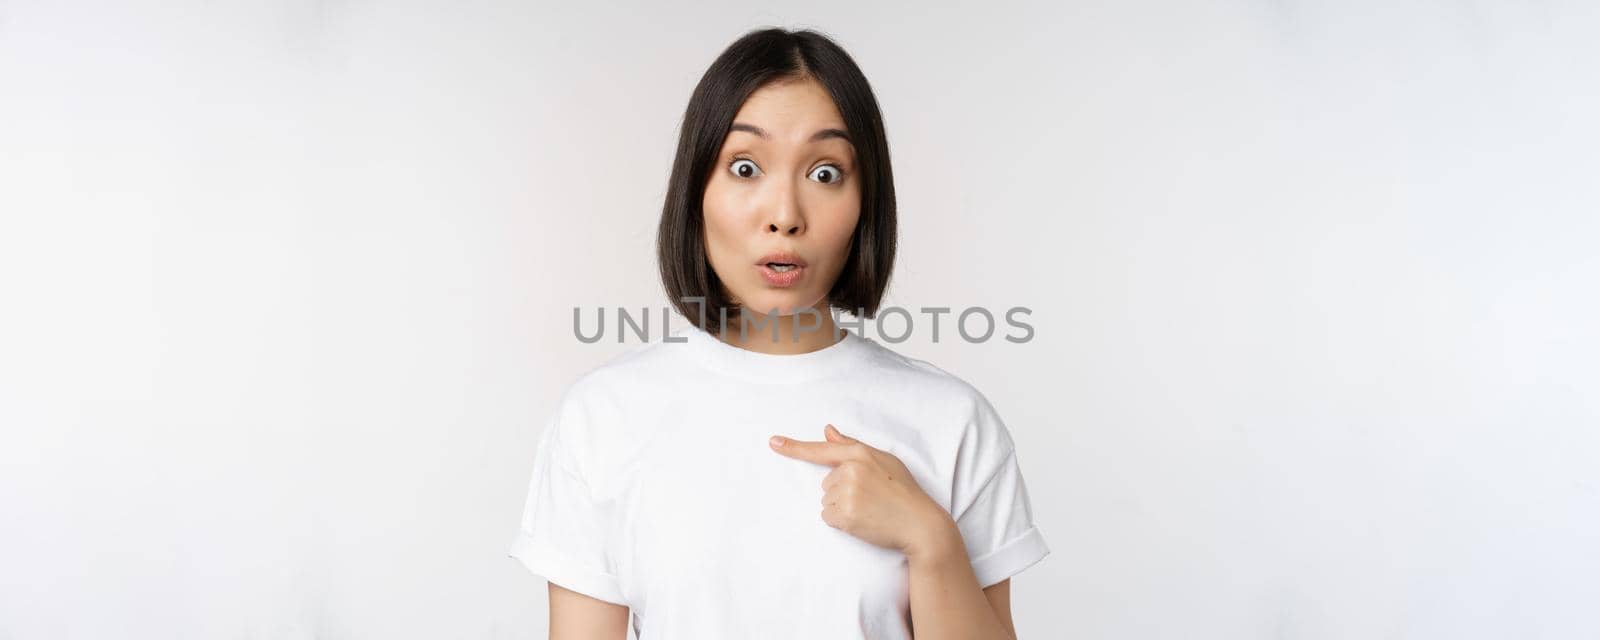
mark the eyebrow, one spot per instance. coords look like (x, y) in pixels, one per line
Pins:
(823, 134)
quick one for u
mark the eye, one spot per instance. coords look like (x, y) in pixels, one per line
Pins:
(744, 168)
(828, 174)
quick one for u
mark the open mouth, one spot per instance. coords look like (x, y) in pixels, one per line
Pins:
(782, 274)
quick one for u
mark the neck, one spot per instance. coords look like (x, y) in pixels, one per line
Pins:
(815, 331)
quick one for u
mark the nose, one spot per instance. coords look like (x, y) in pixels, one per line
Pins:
(784, 216)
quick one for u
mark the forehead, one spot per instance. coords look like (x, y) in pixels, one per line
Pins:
(790, 111)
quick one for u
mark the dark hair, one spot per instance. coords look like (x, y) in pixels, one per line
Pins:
(751, 62)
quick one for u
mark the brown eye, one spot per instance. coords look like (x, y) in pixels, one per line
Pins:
(744, 168)
(827, 174)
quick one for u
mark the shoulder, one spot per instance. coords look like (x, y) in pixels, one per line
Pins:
(972, 443)
(591, 414)
(624, 377)
(947, 393)
(900, 368)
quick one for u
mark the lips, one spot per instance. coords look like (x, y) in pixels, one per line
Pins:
(782, 257)
(781, 269)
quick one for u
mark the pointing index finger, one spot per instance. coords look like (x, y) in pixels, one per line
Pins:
(828, 453)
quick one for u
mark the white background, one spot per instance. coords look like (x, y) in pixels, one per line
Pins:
(286, 293)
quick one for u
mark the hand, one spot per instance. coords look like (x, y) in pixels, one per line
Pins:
(870, 494)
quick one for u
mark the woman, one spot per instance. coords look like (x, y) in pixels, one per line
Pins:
(656, 489)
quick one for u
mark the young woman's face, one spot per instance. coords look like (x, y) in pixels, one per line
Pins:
(784, 183)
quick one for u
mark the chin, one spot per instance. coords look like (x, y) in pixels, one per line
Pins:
(785, 303)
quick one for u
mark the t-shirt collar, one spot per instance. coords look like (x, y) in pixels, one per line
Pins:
(760, 367)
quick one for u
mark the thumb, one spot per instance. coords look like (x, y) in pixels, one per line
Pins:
(833, 435)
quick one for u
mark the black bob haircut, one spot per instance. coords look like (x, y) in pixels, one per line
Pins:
(754, 60)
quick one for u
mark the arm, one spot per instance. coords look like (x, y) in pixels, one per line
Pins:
(945, 599)
(574, 616)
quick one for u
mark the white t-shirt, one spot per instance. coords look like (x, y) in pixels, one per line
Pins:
(654, 487)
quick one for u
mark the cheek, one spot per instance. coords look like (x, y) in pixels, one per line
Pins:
(836, 230)
(720, 213)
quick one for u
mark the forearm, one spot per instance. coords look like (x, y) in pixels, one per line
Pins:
(946, 601)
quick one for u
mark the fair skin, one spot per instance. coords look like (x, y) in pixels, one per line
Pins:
(779, 186)
(784, 181)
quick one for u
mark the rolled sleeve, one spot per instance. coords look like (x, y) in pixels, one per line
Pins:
(563, 533)
(990, 501)
(998, 528)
